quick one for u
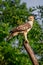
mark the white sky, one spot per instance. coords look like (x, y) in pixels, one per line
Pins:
(31, 3)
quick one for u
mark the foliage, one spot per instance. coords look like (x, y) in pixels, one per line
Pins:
(12, 14)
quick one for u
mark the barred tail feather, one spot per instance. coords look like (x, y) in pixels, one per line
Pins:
(9, 37)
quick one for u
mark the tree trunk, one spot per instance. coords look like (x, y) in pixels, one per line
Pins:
(31, 53)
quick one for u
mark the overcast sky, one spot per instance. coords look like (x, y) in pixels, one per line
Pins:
(31, 3)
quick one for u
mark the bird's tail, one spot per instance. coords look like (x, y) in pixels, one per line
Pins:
(9, 37)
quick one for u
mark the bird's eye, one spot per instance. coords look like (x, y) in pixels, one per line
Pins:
(30, 18)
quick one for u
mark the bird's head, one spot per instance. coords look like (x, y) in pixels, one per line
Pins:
(31, 18)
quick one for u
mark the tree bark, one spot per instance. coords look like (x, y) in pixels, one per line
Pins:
(31, 53)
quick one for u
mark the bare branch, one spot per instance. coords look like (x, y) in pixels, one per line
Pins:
(31, 53)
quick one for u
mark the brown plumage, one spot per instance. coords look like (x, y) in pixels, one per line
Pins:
(22, 29)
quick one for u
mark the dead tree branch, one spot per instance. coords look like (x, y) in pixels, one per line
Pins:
(31, 53)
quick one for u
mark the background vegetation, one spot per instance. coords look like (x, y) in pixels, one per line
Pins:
(12, 14)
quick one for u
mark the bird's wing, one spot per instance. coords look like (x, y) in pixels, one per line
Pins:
(21, 28)
(24, 27)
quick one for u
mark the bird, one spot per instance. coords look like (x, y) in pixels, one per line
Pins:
(24, 28)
